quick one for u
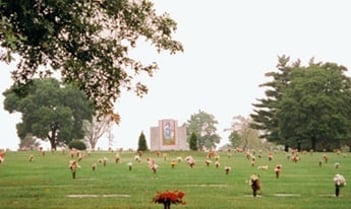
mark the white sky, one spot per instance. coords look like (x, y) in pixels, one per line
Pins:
(229, 45)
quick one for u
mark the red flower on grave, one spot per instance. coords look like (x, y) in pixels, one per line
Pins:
(174, 197)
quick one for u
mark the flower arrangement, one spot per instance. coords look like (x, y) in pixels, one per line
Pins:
(153, 166)
(137, 158)
(208, 162)
(73, 165)
(190, 160)
(173, 163)
(255, 184)
(130, 166)
(270, 156)
(31, 158)
(117, 158)
(227, 169)
(325, 157)
(277, 170)
(253, 161)
(217, 157)
(339, 181)
(169, 197)
(211, 154)
(93, 166)
(295, 158)
(164, 155)
(217, 164)
(248, 155)
(2, 157)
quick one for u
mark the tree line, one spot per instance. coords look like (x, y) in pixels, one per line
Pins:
(63, 114)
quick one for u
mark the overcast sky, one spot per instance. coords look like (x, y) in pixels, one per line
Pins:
(229, 45)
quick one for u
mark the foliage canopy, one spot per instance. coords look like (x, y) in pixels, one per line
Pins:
(86, 41)
(306, 106)
(203, 125)
(50, 111)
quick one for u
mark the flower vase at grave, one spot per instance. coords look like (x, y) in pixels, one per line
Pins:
(254, 193)
(167, 205)
(337, 190)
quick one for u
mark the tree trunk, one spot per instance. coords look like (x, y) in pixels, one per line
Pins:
(54, 128)
(93, 144)
(313, 143)
(299, 146)
(286, 148)
(246, 142)
(52, 142)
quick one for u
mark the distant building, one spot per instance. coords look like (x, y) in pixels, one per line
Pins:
(168, 136)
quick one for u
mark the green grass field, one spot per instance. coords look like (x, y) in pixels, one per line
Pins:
(46, 182)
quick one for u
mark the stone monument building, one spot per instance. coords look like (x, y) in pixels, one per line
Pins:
(168, 136)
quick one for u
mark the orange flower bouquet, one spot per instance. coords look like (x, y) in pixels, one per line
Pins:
(169, 197)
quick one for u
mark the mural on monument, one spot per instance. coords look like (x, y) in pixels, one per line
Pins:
(168, 132)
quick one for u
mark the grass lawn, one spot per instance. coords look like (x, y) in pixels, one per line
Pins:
(46, 182)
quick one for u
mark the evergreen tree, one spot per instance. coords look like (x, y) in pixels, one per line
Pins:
(142, 145)
(264, 116)
(193, 142)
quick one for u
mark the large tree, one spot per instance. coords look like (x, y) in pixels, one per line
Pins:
(203, 125)
(50, 111)
(234, 139)
(86, 41)
(314, 110)
(96, 128)
(242, 135)
(306, 106)
(264, 116)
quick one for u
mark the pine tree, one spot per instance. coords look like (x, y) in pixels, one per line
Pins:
(193, 141)
(142, 146)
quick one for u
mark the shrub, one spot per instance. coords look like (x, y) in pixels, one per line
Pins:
(77, 144)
